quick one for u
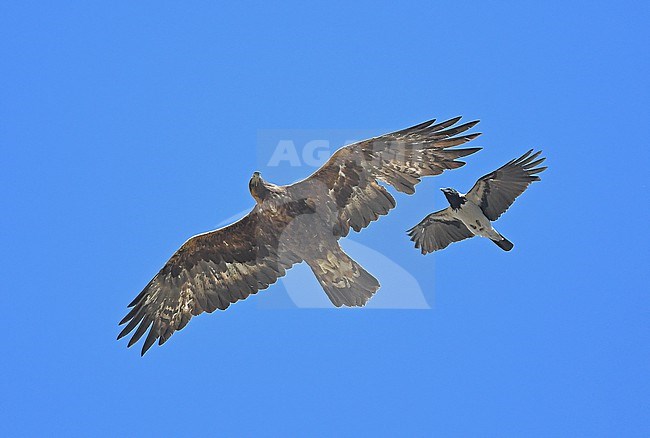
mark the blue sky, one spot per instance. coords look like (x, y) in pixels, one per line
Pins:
(126, 128)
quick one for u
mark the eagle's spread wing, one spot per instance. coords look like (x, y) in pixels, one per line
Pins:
(210, 271)
(438, 230)
(496, 191)
(400, 159)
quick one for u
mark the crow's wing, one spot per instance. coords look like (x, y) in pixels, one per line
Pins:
(438, 230)
(400, 159)
(495, 192)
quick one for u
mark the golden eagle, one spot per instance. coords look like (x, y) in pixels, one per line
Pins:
(295, 223)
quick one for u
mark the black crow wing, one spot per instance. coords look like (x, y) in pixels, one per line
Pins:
(438, 231)
(400, 159)
(495, 192)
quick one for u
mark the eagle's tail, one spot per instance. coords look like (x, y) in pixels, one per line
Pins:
(345, 282)
(503, 243)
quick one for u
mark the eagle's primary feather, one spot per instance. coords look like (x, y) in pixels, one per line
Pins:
(295, 223)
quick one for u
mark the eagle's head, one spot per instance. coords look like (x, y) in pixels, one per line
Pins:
(257, 187)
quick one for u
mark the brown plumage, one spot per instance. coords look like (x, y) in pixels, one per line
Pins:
(295, 223)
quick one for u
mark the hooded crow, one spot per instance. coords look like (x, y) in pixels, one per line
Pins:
(470, 214)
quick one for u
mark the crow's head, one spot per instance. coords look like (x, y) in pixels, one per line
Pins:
(455, 199)
(448, 191)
